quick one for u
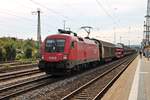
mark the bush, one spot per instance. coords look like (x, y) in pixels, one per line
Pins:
(19, 56)
(28, 52)
(13, 48)
(13, 52)
(1, 54)
(10, 52)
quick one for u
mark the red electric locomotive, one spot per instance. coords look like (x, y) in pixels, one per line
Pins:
(65, 52)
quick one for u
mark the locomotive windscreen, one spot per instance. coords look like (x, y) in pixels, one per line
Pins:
(54, 45)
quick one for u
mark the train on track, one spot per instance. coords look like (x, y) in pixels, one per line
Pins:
(122, 50)
(66, 52)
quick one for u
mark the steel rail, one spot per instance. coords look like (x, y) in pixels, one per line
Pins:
(77, 91)
(10, 88)
(105, 89)
(6, 76)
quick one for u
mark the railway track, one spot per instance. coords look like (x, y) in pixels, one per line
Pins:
(97, 87)
(13, 90)
(4, 69)
(2, 62)
(14, 63)
(16, 74)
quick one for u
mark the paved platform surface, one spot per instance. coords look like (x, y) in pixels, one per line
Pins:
(144, 80)
(134, 83)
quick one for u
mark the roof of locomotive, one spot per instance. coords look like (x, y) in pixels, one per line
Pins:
(75, 38)
(59, 36)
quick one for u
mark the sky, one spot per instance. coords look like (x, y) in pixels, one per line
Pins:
(111, 20)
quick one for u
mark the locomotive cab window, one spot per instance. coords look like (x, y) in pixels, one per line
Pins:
(54, 45)
(72, 44)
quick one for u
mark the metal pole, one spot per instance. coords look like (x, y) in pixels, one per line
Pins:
(114, 36)
(64, 24)
(120, 39)
(39, 41)
(129, 43)
(39, 28)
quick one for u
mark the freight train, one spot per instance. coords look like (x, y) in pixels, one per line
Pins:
(65, 52)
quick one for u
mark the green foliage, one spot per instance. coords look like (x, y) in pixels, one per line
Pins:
(1, 54)
(16, 49)
(37, 45)
(27, 48)
(19, 56)
(28, 52)
(10, 51)
(36, 54)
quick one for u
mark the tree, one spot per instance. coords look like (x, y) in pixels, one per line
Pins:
(1, 54)
(28, 52)
(13, 48)
(13, 52)
(10, 51)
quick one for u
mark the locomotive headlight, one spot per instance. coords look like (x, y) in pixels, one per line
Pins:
(42, 57)
(64, 57)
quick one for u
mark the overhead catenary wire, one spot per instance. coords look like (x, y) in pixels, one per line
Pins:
(106, 12)
(7, 23)
(15, 15)
(21, 19)
(35, 3)
(29, 7)
(109, 6)
(17, 18)
(116, 22)
(113, 12)
(49, 9)
(11, 13)
(20, 25)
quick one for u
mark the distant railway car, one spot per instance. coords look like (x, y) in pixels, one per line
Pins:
(65, 52)
(128, 50)
(122, 50)
(119, 50)
(106, 49)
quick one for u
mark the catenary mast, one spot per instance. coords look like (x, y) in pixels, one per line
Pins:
(146, 36)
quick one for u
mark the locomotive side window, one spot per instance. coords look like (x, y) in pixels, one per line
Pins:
(72, 44)
(54, 45)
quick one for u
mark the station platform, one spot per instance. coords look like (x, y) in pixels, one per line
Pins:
(133, 84)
